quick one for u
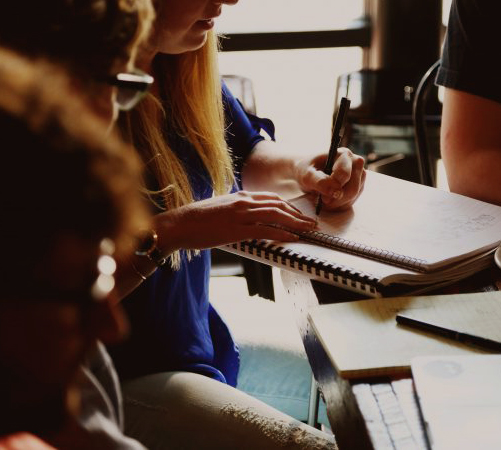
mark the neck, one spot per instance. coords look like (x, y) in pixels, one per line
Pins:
(144, 60)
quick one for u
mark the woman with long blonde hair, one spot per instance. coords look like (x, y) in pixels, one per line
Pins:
(200, 149)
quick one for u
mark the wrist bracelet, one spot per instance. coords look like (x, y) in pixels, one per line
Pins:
(143, 278)
(148, 247)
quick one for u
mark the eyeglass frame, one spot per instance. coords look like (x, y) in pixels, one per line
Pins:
(136, 80)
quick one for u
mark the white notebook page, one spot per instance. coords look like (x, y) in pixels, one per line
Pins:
(412, 220)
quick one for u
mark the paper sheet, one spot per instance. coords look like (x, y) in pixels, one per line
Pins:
(413, 220)
(362, 338)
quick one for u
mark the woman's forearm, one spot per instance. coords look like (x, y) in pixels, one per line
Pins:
(270, 169)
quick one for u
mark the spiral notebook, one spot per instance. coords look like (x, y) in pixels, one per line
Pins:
(399, 237)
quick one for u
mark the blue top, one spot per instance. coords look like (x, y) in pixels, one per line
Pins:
(469, 58)
(173, 325)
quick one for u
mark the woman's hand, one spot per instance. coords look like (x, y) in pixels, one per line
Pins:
(230, 218)
(342, 187)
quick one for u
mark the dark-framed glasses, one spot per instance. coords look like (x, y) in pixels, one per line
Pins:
(131, 88)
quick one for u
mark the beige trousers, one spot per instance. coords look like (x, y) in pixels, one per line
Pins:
(183, 410)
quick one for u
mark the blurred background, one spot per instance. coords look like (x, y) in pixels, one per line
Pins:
(302, 55)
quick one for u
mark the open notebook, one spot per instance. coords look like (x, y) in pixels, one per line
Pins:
(399, 237)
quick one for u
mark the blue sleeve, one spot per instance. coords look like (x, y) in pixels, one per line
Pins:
(242, 130)
(469, 57)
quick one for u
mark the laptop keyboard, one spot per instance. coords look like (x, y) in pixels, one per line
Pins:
(391, 414)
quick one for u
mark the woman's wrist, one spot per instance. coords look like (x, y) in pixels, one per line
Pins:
(148, 247)
(131, 273)
(168, 228)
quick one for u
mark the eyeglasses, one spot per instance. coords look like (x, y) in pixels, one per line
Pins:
(131, 88)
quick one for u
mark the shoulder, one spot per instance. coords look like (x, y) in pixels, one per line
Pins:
(469, 62)
(232, 106)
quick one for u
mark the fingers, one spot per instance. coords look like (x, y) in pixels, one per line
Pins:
(343, 166)
(311, 177)
(340, 186)
(317, 181)
(348, 173)
(270, 217)
(352, 189)
(272, 233)
(277, 216)
(261, 202)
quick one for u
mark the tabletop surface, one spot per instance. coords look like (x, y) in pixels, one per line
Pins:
(351, 406)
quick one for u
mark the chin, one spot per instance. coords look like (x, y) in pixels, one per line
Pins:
(189, 44)
(199, 42)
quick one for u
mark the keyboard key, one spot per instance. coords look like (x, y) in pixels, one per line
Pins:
(383, 410)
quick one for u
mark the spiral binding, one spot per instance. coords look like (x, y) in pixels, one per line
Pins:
(367, 251)
(334, 273)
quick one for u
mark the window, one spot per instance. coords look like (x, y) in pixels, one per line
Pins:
(295, 88)
(249, 16)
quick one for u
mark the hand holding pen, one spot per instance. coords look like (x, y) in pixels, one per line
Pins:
(337, 135)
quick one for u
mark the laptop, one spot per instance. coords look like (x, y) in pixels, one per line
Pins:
(459, 400)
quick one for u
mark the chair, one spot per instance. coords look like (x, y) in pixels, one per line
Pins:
(242, 88)
(380, 123)
(426, 157)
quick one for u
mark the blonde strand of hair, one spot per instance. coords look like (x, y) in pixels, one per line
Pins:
(191, 88)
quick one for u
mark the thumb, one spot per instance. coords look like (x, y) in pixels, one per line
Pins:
(320, 182)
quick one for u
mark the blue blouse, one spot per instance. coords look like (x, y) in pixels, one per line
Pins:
(173, 325)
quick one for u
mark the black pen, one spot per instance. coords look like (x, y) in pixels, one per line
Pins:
(337, 135)
(459, 336)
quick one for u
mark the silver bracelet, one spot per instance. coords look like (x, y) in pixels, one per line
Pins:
(143, 278)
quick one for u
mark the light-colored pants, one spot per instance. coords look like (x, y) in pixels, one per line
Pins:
(183, 410)
(189, 411)
(273, 363)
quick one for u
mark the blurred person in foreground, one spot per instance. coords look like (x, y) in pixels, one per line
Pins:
(95, 41)
(70, 209)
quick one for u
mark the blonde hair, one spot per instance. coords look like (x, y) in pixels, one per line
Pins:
(191, 107)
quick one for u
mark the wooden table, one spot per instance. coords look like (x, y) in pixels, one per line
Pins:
(343, 410)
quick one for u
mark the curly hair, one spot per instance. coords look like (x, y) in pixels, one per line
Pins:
(61, 172)
(87, 36)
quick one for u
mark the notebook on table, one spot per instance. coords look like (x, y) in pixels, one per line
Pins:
(460, 400)
(362, 338)
(399, 237)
